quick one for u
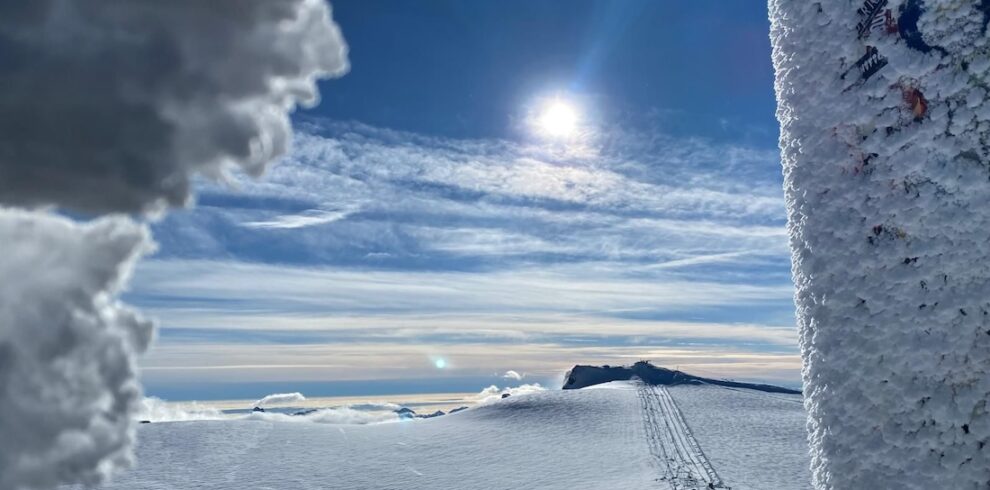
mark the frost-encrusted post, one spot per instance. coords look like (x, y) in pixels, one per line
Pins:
(885, 140)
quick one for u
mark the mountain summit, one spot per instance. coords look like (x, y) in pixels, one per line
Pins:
(581, 376)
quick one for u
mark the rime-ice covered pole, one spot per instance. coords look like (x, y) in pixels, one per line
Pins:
(885, 141)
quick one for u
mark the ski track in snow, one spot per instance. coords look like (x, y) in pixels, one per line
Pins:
(621, 435)
(680, 460)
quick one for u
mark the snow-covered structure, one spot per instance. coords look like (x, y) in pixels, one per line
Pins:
(885, 139)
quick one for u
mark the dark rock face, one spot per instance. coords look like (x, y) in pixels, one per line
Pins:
(438, 413)
(581, 376)
(406, 413)
(258, 409)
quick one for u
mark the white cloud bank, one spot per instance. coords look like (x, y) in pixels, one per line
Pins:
(494, 393)
(115, 107)
(336, 415)
(280, 399)
(157, 410)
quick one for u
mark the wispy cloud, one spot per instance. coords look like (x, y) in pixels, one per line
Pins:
(225, 321)
(307, 297)
(290, 221)
(415, 201)
(382, 249)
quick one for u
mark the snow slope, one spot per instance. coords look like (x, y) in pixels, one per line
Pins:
(618, 435)
(755, 440)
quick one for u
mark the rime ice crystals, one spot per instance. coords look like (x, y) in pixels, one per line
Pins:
(885, 138)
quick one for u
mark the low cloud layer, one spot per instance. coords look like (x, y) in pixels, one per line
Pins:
(67, 368)
(494, 393)
(280, 399)
(335, 415)
(115, 106)
(157, 410)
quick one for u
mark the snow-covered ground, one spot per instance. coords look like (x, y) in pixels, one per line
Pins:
(620, 435)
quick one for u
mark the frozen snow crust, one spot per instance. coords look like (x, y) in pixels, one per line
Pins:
(885, 141)
(582, 376)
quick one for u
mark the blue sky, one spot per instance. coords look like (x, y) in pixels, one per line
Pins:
(421, 214)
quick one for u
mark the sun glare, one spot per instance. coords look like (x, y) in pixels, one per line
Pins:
(558, 119)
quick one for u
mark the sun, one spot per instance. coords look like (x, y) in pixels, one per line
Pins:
(558, 119)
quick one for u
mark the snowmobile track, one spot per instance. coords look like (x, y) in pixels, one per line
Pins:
(680, 460)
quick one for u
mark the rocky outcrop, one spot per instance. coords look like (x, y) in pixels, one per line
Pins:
(581, 376)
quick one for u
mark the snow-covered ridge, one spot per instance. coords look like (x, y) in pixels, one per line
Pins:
(582, 376)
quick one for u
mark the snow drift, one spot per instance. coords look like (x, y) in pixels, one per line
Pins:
(885, 141)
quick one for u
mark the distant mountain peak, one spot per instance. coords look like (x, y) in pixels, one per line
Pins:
(581, 376)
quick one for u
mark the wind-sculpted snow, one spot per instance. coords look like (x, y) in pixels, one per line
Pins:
(159, 92)
(885, 139)
(589, 439)
(67, 373)
(115, 107)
